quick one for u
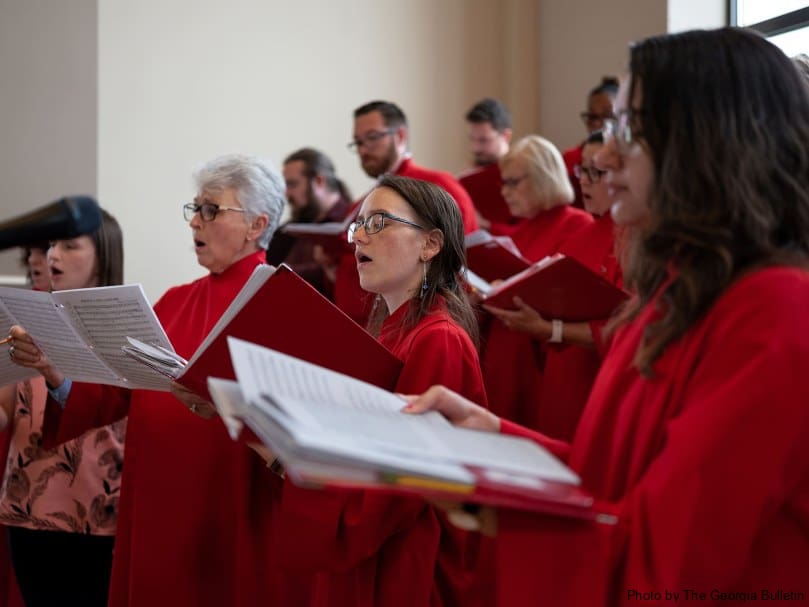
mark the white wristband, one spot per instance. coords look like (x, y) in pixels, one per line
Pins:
(556, 331)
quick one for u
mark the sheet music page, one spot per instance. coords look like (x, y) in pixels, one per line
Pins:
(257, 279)
(46, 321)
(229, 402)
(476, 282)
(336, 405)
(301, 447)
(9, 372)
(330, 228)
(104, 317)
(477, 237)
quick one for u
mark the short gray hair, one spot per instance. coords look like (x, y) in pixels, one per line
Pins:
(258, 184)
(545, 165)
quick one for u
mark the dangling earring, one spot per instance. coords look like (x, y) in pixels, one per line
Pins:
(424, 285)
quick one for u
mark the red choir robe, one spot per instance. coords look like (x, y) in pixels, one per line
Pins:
(513, 361)
(705, 465)
(569, 371)
(194, 504)
(369, 548)
(348, 294)
(485, 185)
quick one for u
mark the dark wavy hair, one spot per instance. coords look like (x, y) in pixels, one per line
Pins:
(725, 118)
(436, 210)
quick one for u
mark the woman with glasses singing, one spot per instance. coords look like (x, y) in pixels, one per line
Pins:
(600, 107)
(572, 352)
(536, 188)
(695, 433)
(371, 549)
(189, 528)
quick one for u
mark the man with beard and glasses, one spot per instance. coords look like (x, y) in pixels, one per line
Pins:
(315, 195)
(381, 138)
(489, 131)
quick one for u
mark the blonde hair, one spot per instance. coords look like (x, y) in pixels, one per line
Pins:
(546, 168)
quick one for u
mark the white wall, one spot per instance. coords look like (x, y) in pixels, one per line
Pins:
(47, 105)
(182, 81)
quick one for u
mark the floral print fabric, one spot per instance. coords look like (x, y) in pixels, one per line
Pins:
(73, 487)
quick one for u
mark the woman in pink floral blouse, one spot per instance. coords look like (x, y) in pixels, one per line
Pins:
(60, 505)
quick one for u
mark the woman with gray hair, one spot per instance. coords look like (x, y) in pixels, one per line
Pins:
(191, 499)
(536, 187)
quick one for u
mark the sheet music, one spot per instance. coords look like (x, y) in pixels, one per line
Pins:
(340, 407)
(47, 323)
(105, 316)
(82, 331)
(229, 402)
(9, 372)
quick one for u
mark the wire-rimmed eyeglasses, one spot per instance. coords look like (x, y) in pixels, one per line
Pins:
(594, 174)
(369, 139)
(375, 222)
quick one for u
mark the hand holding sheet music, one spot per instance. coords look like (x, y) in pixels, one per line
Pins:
(333, 429)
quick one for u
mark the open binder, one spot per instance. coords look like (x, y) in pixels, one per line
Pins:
(82, 331)
(278, 309)
(559, 287)
(331, 235)
(336, 431)
(493, 257)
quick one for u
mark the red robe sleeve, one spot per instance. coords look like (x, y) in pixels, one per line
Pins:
(559, 448)
(88, 406)
(721, 505)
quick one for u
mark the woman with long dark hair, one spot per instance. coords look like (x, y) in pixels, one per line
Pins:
(695, 432)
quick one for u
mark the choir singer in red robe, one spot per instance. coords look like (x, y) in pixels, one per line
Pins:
(695, 432)
(190, 520)
(368, 549)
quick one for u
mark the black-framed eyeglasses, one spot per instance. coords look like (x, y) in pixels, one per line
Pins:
(512, 182)
(370, 139)
(594, 174)
(375, 222)
(207, 210)
(623, 129)
(588, 117)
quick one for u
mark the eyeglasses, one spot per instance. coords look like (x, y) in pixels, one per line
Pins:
(588, 117)
(623, 129)
(207, 210)
(369, 140)
(593, 173)
(375, 222)
(513, 182)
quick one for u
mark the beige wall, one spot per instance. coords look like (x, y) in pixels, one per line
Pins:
(47, 105)
(579, 42)
(180, 81)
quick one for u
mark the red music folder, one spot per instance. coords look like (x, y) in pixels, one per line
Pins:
(287, 314)
(493, 257)
(559, 287)
(331, 235)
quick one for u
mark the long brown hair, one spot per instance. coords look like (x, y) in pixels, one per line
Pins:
(436, 210)
(725, 119)
(108, 241)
